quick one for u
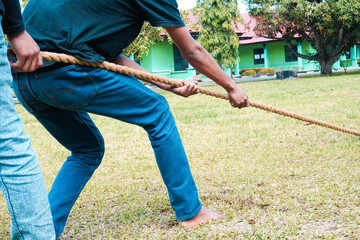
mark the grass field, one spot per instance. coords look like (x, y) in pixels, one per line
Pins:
(274, 177)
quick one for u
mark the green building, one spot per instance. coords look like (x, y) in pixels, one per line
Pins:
(255, 52)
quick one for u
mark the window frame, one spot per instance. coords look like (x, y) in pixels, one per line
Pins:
(289, 56)
(259, 52)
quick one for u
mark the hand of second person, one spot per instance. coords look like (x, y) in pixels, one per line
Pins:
(26, 51)
(238, 98)
(189, 88)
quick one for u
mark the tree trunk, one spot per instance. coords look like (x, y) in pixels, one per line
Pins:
(326, 68)
(326, 64)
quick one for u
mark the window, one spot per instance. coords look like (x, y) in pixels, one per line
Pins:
(289, 56)
(347, 54)
(258, 56)
(179, 63)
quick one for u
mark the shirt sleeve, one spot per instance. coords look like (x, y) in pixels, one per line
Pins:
(12, 20)
(161, 13)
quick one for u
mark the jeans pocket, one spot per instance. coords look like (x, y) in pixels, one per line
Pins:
(68, 89)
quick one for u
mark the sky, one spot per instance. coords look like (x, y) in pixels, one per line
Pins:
(188, 4)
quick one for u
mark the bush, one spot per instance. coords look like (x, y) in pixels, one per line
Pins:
(257, 71)
(262, 71)
(242, 71)
(270, 71)
(249, 72)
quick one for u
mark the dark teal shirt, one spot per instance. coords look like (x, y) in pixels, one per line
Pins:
(95, 30)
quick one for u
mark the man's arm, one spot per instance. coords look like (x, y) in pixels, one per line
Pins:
(202, 61)
(189, 88)
(25, 48)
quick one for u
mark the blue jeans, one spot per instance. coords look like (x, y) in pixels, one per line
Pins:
(21, 179)
(61, 100)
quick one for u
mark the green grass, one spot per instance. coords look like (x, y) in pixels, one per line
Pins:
(274, 177)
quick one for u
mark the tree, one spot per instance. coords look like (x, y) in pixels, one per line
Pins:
(217, 35)
(148, 37)
(328, 25)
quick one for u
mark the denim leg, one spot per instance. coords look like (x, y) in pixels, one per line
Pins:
(21, 179)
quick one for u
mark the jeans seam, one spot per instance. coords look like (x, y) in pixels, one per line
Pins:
(11, 209)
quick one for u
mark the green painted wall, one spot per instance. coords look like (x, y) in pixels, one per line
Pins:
(160, 59)
(247, 56)
(277, 56)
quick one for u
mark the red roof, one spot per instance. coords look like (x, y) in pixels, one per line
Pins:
(248, 29)
(245, 30)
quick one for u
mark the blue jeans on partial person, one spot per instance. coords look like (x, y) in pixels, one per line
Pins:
(21, 179)
(62, 98)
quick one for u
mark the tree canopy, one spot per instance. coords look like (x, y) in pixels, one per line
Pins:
(217, 35)
(329, 26)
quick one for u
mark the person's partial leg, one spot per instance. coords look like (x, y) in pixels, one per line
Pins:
(21, 179)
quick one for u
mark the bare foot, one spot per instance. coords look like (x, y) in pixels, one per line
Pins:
(202, 217)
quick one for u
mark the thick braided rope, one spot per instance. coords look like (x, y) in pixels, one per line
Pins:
(176, 83)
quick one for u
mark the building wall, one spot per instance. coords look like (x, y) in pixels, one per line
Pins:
(276, 52)
(160, 59)
(247, 56)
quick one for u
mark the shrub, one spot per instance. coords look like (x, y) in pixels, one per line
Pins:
(242, 71)
(254, 71)
(270, 71)
(249, 72)
(258, 70)
(262, 71)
